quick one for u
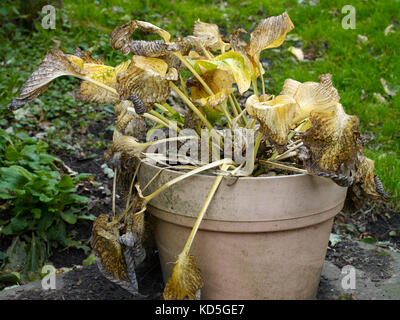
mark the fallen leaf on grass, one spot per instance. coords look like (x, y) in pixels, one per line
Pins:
(386, 88)
(379, 98)
(297, 52)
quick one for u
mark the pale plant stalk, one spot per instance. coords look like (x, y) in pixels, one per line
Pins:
(282, 166)
(255, 89)
(157, 120)
(240, 111)
(171, 124)
(97, 83)
(211, 165)
(233, 107)
(203, 211)
(190, 104)
(162, 108)
(114, 191)
(183, 85)
(187, 65)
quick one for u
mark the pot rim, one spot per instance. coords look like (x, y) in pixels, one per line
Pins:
(292, 176)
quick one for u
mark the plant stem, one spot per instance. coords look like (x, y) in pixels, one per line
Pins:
(171, 124)
(114, 191)
(196, 111)
(254, 82)
(157, 120)
(200, 217)
(262, 83)
(187, 65)
(282, 166)
(97, 83)
(233, 107)
(238, 108)
(226, 113)
(183, 84)
(211, 165)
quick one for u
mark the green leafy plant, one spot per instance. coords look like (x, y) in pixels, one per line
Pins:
(36, 202)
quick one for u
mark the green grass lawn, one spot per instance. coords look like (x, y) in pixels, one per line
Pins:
(357, 66)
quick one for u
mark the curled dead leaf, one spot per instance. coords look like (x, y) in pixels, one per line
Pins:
(311, 96)
(90, 92)
(209, 36)
(154, 48)
(219, 81)
(104, 242)
(275, 116)
(297, 52)
(147, 78)
(120, 38)
(332, 140)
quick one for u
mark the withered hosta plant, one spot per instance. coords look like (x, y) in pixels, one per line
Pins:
(302, 129)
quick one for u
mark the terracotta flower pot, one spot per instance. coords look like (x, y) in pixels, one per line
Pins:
(261, 238)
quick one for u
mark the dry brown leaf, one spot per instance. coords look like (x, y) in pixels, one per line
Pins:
(55, 64)
(290, 87)
(147, 78)
(219, 81)
(185, 281)
(297, 52)
(154, 48)
(237, 44)
(209, 35)
(275, 116)
(104, 242)
(270, 33)
(120, 38)
(90, 92)
(126, 144)
(365, 175)
(332, 141)
(386, 88)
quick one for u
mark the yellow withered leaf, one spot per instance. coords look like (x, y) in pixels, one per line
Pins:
(86, 56)
(120, 37)
(55, 64)
(104, 242)
(236, 63)
(275, 116)
(185, 281)
(127, 144)
(209, 35)
(269, 33)
(218, 80)
(290, 87)
(332, 140)
(237, 44)
(90, 92)
(215, 99)
(147, 78)
(312, 96)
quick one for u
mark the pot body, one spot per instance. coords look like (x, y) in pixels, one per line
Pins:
(261, 238)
